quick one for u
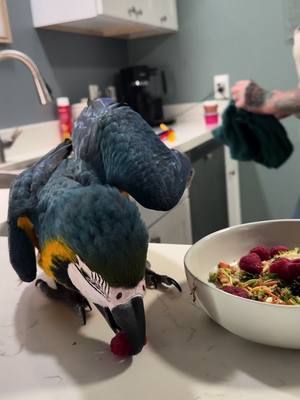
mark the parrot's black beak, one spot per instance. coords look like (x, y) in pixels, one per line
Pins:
(130, 318)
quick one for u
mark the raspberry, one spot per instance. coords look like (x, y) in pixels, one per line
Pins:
(294, 270)
(236, 291)
(295, 260)
(263, 252)
(280, 267)
(251, 263)
(278, 249)
(120, 346)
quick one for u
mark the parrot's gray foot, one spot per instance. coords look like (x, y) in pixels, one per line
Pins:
(70, 297)
(153, 280)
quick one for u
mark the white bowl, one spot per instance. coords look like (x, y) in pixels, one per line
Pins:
(271, 324)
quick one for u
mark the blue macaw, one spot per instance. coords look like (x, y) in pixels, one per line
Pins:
(74, 209)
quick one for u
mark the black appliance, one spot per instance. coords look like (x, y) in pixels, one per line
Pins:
(142, 87)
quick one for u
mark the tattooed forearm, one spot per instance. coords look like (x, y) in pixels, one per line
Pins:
(256, 96)
(290, 102)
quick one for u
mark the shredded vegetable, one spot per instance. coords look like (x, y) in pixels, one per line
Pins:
(265, 286)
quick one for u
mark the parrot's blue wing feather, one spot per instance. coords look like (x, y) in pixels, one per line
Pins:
(125, 152)
(22, 202)
(21, 253)
(23, 192)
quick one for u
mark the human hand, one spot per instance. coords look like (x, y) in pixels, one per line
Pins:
(252, 97)
(238, 92)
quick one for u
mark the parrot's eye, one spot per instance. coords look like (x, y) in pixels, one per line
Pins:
(144, 289)
(118, 296)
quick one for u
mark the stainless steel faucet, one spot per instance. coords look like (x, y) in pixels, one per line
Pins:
(41, 88)
(39, 82)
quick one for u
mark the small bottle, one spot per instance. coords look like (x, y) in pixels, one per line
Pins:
(110, 91)
(94, 92)
(64, 117)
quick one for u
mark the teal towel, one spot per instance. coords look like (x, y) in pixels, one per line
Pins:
(257, 137)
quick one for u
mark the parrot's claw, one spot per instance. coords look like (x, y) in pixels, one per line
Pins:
(70, 297)
(153, 280)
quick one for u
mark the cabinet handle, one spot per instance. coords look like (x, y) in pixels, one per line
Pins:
(163, 18)
(131, 10)
(139, 12)
(208, 156)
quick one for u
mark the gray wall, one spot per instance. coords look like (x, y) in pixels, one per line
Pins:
(69, 62)
(247, 40)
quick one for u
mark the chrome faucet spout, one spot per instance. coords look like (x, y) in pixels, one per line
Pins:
(42, 90)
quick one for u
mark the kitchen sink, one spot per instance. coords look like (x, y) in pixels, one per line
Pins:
(6, 179)
(9, 171)
(18, 165)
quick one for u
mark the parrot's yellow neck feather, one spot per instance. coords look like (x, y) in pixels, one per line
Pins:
(55, 248)
(27, 226)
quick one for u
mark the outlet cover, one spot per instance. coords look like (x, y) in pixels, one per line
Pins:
(221, 87)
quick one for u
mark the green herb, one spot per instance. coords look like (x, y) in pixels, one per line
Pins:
(245, 276)
(213, 277)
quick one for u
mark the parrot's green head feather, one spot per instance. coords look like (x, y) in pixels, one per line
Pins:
(103, 227)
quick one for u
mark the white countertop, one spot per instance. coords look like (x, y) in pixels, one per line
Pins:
(189, 135)
(47, 354)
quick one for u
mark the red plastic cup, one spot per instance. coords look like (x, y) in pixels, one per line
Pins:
(211, 115)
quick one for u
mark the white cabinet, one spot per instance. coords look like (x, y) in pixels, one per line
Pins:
(172, 226)
(110, 18)
(139, 11)
(165, 14)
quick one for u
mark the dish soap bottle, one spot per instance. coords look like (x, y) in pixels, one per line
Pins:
(64, 117)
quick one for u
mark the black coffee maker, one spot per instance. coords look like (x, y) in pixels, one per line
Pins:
(141, 87)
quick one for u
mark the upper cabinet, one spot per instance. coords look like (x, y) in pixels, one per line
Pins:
(165, 14)
(110, 18)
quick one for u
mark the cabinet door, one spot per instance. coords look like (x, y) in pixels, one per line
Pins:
(47, 13)
(164, 14)
(208, 197)
(131, 10)
(174, 227)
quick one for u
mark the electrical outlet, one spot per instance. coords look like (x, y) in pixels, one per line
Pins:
(221, 87)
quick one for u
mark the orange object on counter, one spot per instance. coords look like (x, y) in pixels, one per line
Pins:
(168, 134)
(171, 135)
